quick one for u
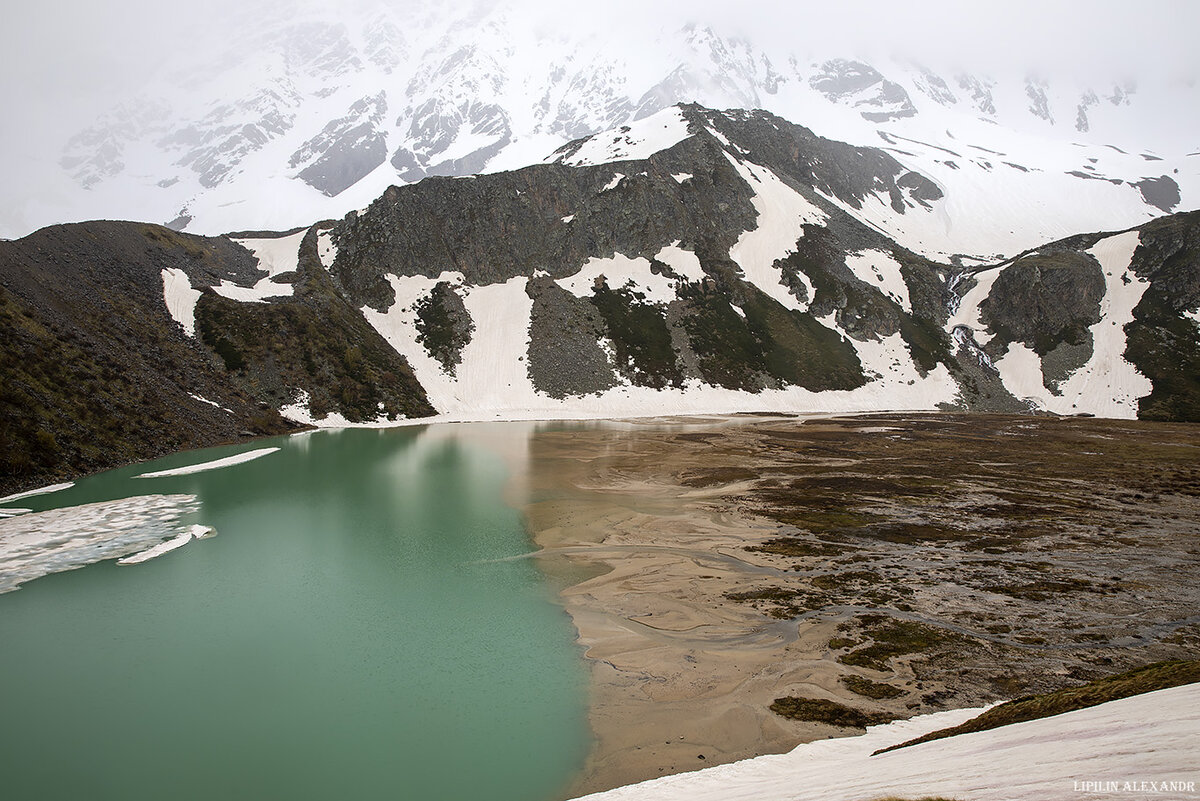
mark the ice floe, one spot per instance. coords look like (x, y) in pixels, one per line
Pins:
(39, 543)
(215, 464)
(39, 491)
(195, 532)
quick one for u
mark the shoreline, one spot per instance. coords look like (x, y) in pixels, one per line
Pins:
(683, 676)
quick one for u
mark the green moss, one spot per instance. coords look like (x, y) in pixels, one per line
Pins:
(729, 355)
(870, 689)
(795, 546)
(640, 338)
(819, 710)
(895, 638)
(765, 594)
(800, 351)
(444, 325)
(835, 581)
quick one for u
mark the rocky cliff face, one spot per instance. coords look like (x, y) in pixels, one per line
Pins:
(696, 261)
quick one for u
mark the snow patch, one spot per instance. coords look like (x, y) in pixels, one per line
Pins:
(637, 140)
(1194, 316)
(276, 256)
(298, 412)
(180, 298)
(215, 464)
(203, 399)
(680, 177)
(1151, 736)
(782, 214)
(620, 271)
(615, 182)
(326, 249)
(880, 270)
(683, 262)
(568, 218)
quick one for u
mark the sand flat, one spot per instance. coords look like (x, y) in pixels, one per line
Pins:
(933, 554)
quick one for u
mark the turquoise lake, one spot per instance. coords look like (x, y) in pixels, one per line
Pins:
(358, 629)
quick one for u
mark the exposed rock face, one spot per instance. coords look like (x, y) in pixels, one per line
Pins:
(444, 325)
(347, 149)
(1164, 337)
(863, 87)
(1045, 299)
(1161, 192)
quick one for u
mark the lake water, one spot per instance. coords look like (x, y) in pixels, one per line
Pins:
(354, 631)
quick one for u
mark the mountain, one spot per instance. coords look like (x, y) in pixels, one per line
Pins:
(692, 261)
(311, 115)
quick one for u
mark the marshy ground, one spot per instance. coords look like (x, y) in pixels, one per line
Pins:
(854, 569)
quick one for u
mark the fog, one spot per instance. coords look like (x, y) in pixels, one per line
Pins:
(89, 53)
(69, 61)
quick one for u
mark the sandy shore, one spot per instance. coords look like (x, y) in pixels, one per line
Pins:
(647, 552)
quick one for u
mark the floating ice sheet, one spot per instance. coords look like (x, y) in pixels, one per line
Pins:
(37, 544)
(216, 464)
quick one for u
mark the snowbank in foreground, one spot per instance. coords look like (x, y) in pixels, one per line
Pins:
(1107, 751)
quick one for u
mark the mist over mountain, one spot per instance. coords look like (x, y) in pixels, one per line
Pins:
(274, 115)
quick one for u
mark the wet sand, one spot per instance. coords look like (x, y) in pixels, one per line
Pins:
(647, 527)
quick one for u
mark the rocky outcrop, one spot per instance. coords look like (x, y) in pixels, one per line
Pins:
(95, 371)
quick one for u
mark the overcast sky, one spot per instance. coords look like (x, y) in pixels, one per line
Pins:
(67, 60)
(82, 43)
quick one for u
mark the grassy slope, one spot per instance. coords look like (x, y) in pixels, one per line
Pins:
(1158, 676)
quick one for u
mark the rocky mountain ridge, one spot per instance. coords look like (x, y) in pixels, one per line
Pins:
(694, 261)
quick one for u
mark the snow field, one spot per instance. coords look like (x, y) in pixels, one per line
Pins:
(782, 214)
(1150, 737)
(276, 256)
(398, 325)
(880, 270)
(637, 140)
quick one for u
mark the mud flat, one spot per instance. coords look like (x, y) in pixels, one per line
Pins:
(893, 564)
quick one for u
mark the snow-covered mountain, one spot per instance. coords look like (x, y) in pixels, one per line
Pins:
(692, 261)
(309, 116)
